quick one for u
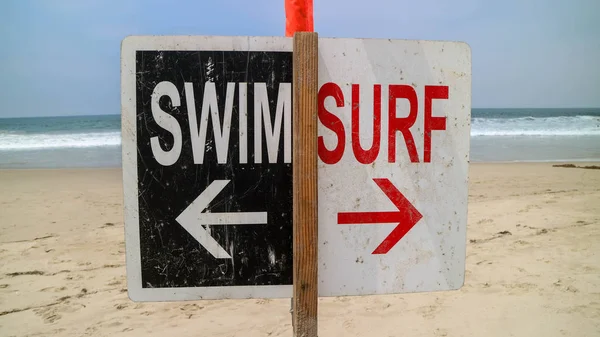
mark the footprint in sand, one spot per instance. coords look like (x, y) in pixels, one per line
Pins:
(349, 324)
(121, 306)
(519, 288)
(440, 332)
(191, 307)
(528, 208)
(116, 281)
(189, 310)
(57, 261)
(53, 289)
(49, 314)
(430, 311)
(52, 313)
(581, 223)
(341, 299)
(91, 330)
(74, 277)
(583, 310)
(544, 231)
(566, 286)
(103, 325)
(378, 307)
(108, 224)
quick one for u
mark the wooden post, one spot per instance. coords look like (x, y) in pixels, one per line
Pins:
(306, 80)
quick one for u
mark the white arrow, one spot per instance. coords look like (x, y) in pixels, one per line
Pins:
(194, 217)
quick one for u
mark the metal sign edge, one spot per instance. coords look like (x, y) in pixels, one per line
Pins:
(129, 46)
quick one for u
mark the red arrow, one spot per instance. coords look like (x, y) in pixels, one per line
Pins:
(407, 216)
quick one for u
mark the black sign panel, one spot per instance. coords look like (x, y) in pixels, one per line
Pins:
(241, 161)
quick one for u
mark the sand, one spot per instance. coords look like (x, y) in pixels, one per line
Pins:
(533, 266)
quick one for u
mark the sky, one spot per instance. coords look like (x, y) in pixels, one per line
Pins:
(62, 57)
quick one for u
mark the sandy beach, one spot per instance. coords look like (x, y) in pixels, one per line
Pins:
(533, 266)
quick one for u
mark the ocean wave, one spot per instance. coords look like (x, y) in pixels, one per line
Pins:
(536, 126)
(481, 126)
(20, 141)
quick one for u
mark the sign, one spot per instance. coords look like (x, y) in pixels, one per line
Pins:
(207, 166)
(393, 151)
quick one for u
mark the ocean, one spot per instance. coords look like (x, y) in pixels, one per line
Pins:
(497, 135)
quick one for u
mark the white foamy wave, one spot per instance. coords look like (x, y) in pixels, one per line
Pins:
(16, 141)
(534, 126)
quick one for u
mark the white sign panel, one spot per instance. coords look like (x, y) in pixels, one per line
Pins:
(207, 166)
(393, 165)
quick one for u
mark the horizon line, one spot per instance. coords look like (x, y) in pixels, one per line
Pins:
(118, 114)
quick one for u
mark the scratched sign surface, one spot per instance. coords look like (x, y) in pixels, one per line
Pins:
(213, 176)
(207, 166)
(393, 165)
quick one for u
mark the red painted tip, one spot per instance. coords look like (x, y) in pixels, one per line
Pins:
(298, 16)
